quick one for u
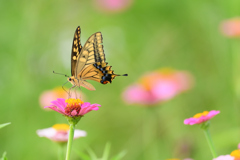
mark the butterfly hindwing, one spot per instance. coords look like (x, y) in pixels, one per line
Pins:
(91, 73)
(99, 72)
(76, 50)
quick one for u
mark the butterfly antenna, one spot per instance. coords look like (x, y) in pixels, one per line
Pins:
(60, 74)
(121, 75)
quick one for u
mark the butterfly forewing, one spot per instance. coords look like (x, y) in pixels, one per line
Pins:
(76, 50)
(91, 53)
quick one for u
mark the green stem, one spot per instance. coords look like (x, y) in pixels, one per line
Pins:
(60, 152)
(210, 143)
(70, 140)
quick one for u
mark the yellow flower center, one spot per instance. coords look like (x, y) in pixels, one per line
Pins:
(235, 153)
(72, 101)
(166, 70)
(198, 115)
(61, 127)
(150, 79)
(73, 105)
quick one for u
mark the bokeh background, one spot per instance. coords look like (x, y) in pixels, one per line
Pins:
(138, 37)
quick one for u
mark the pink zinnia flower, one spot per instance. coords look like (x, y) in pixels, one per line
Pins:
(231, 27)
(47, 96)
(158, 86)
(59, 133)
(72, 107)
(112, 5)
(224, 157)
(201, 117)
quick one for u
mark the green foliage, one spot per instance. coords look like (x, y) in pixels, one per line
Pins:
(3, 125)
(4, 156)
(106, 154)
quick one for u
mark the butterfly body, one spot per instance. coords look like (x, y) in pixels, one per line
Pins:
(88, 62)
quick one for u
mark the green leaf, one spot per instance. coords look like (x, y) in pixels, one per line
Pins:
(5, 124)
(106, 151)
(82, 155)
(119, 156)
(92, 154)
(106, 154)
(4, 157)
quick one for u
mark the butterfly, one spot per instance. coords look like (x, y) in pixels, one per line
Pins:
(88, 62)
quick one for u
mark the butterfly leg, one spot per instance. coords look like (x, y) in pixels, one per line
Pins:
(76, 90)
(69, 93)
(80, 92)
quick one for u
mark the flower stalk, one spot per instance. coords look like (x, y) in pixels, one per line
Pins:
(205, 127)
(70, 140)
(60, 152)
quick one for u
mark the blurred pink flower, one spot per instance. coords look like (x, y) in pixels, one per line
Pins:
(47, 96)
(72, 107)
(112, 5)
(201, 117)
(59, 133)
(158, 86)
(236, 154)
(231, 27)
(225, 157)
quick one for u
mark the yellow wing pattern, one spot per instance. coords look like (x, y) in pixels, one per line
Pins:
(76, 49)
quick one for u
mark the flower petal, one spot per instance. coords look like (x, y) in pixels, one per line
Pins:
(59, 135)
(136, 94)
(62, 102)
(55, 109)
(79, 133)
(47, 132)
(85, 104)
(203, 118)
(87, 108)
(224, 157)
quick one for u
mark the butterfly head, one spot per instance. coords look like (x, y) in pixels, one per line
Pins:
(72, 80)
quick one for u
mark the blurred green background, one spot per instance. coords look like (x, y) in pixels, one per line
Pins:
(36, 38)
